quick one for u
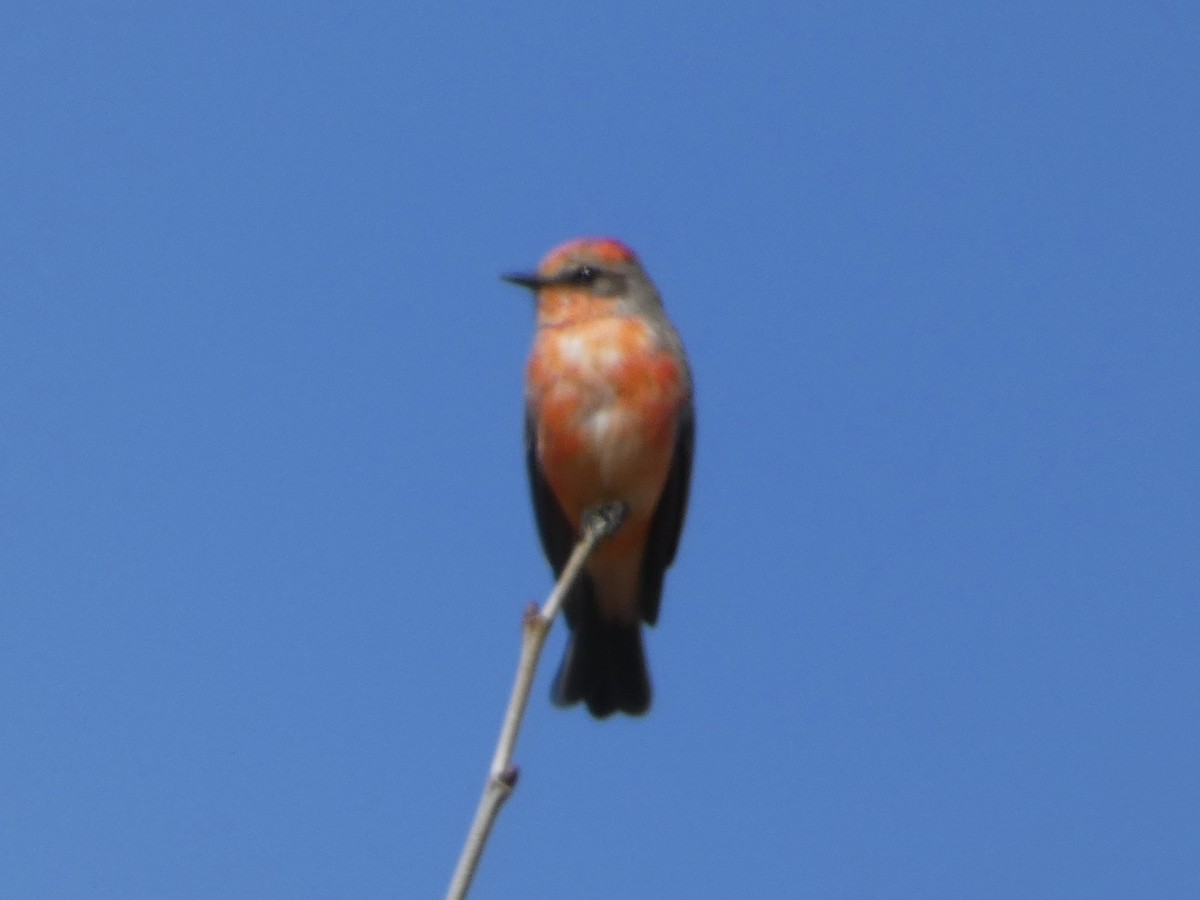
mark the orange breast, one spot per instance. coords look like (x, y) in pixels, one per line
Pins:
(605, 395)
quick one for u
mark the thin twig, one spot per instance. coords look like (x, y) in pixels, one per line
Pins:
(599, 524)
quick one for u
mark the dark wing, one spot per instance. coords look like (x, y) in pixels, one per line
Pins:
(667, 523)
(558, 537)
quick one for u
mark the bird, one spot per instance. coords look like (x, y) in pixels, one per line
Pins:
(609, 418)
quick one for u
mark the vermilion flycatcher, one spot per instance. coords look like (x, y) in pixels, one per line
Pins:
(608, 417)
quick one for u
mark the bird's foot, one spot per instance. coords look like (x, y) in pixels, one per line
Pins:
(606, 519)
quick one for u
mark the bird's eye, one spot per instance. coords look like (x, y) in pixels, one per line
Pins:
(584, 275)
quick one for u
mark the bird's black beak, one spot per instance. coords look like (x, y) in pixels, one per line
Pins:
(531, 280)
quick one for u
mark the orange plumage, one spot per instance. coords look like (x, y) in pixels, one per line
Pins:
(609, 418)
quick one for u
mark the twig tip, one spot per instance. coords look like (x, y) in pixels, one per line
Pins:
(604, 520)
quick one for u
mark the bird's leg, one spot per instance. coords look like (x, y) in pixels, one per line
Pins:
(605, 519)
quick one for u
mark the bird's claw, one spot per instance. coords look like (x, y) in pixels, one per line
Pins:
(604, 520)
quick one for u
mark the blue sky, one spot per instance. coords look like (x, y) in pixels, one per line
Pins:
(264, 529)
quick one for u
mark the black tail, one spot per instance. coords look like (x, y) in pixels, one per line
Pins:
(604, 666)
